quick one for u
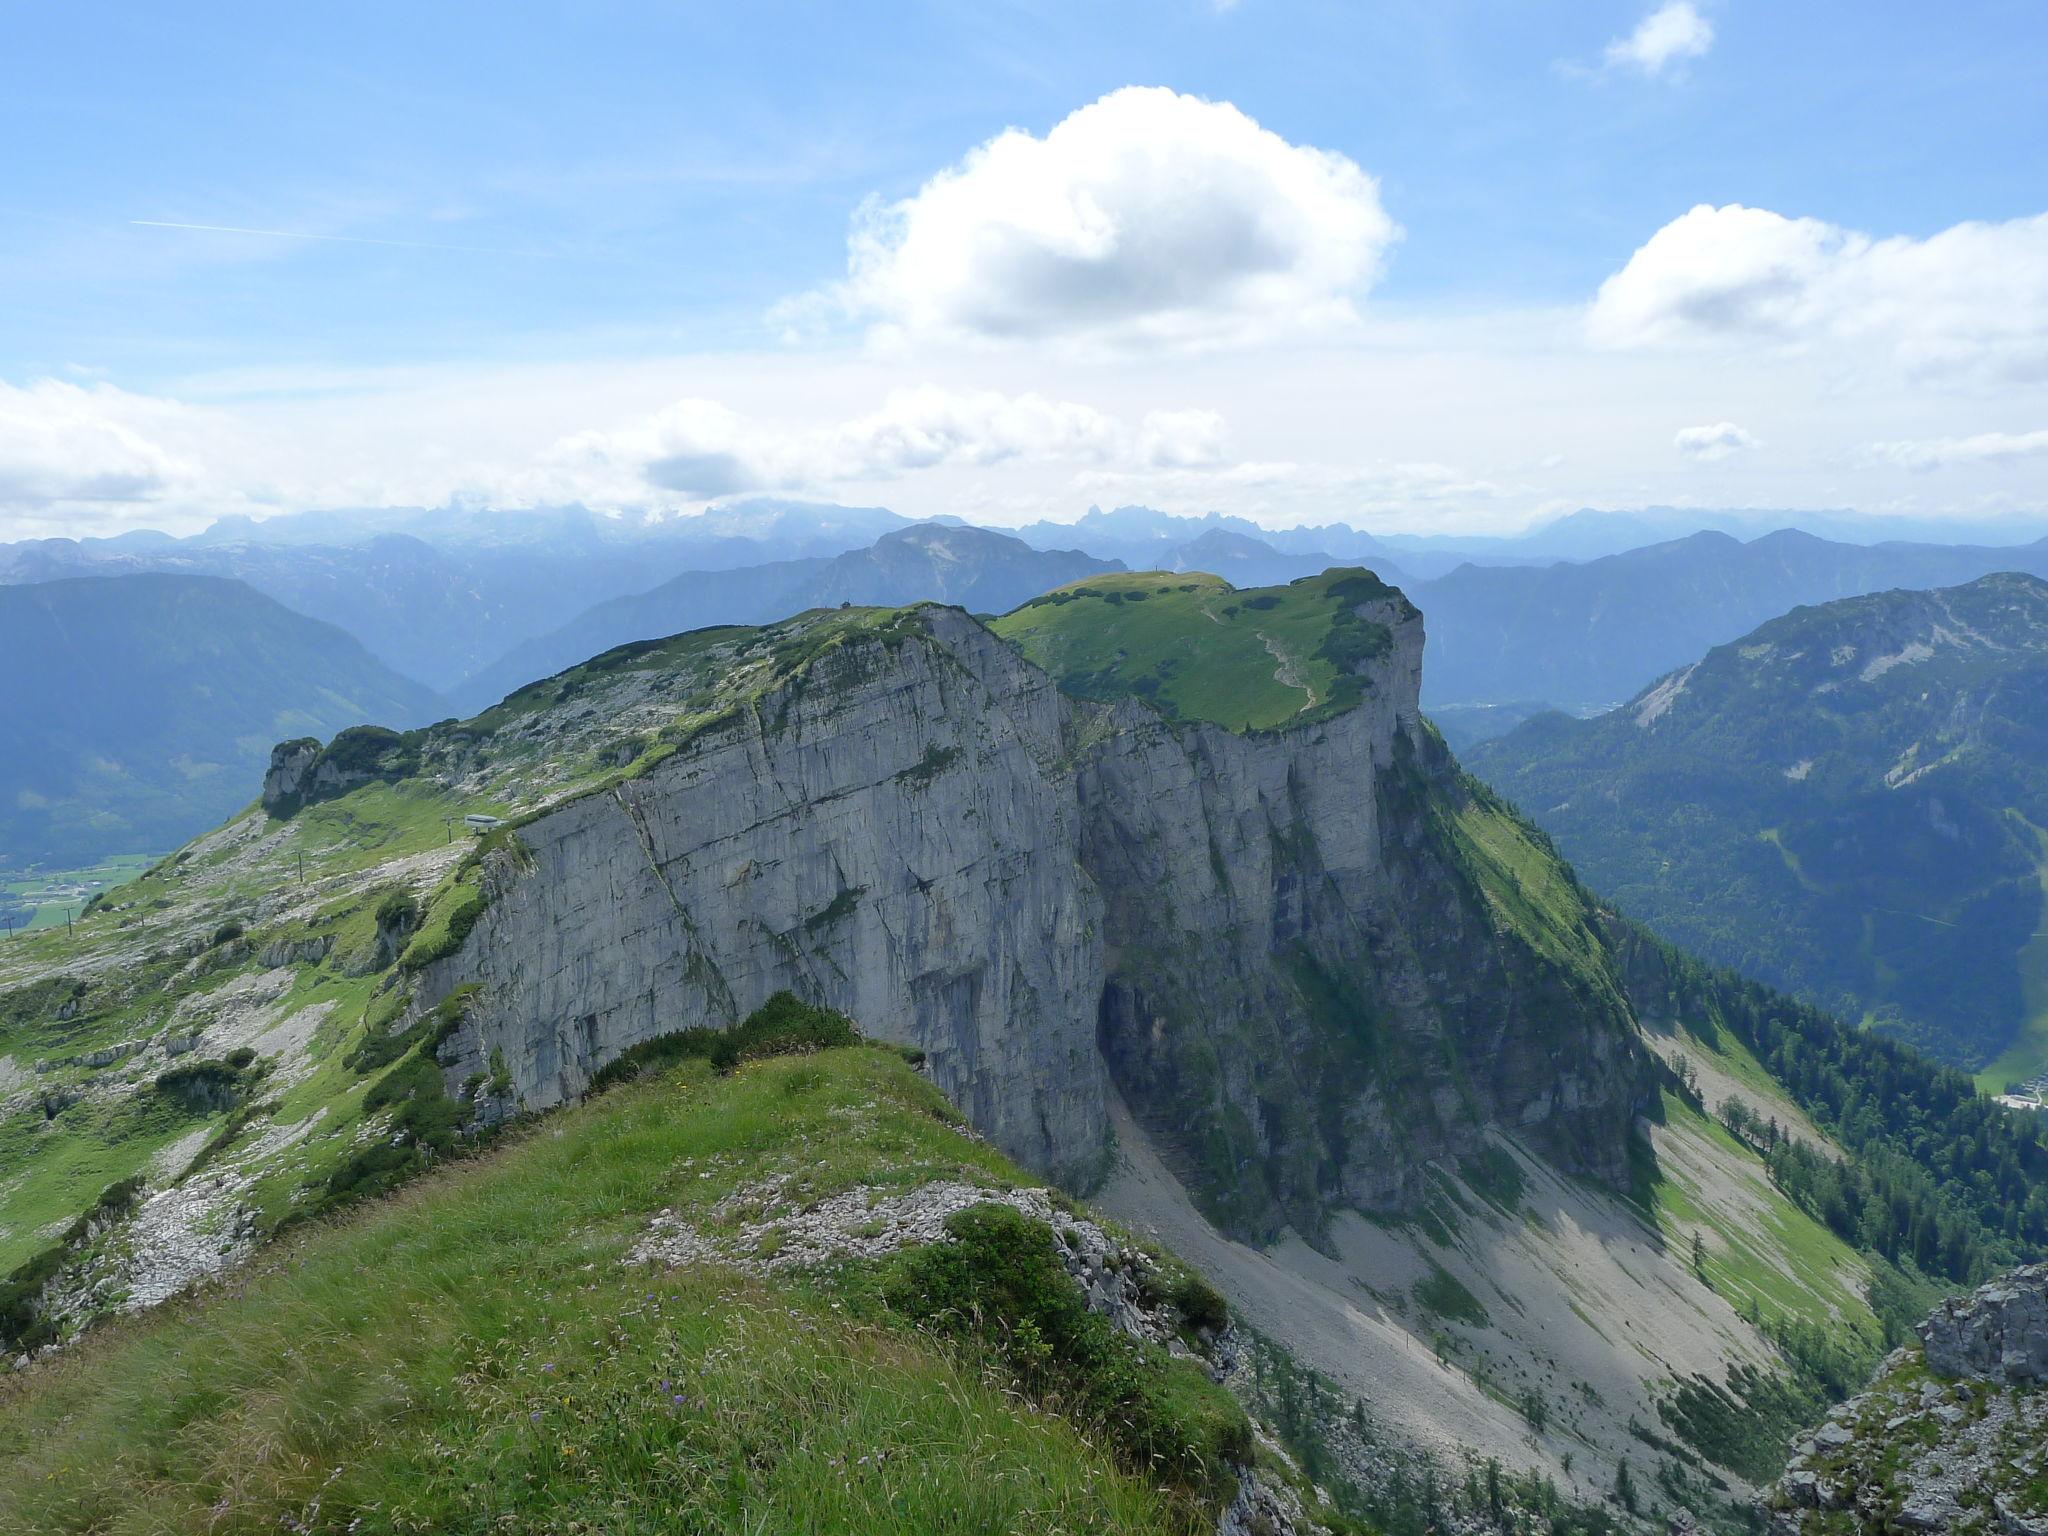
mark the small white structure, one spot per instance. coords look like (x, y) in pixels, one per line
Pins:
(480, 824)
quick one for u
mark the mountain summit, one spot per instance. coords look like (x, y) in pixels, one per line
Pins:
(1850, 801)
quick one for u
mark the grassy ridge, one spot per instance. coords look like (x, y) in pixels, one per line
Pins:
(1201, 650)
(471, 1355)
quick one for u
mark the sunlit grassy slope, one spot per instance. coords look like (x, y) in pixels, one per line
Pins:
(472, 1355)
(262, 933)
(1202, 650)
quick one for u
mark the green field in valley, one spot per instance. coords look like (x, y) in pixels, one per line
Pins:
(40, 898)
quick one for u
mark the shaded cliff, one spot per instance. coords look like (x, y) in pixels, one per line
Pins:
(1311, 958)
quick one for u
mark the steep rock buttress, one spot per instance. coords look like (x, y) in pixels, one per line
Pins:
(1265, 942)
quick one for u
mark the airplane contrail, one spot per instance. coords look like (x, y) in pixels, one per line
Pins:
(293, 234)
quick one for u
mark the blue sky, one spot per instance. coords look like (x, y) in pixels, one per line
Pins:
(547, 226)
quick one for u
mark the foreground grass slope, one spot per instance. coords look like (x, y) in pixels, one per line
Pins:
(474, 1354)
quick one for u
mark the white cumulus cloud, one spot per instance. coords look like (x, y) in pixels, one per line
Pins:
(700, 450)
(64, 443)
(1668, 35)
(1979, 448)
(1146, 215)
(1721, 440)
(1969, 301)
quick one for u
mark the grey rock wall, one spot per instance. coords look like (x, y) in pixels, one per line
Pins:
(894, 835)
(1248, 934)
(1999, 1332)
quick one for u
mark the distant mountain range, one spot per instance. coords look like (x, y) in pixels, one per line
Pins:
(470, 601)
(982, 571)
(1586, 636)
(1148, 540)
(1590, 533)
(437, 595)
(1850, 802)
(141, 709)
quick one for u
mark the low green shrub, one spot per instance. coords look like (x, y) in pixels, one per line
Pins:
(205, 1086)
(1442, 1294)
(785, 1025)
(999, 1283)
(1199, 1303)
(425, 1124)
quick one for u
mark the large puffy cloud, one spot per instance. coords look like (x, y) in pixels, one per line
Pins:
(1667, 36)
(1970, 301)
(1721, 440)
(1145, 215)
(63, 444)
(1979, 448)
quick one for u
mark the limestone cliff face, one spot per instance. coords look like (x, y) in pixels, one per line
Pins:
(1305, 995)
(1260, 940)
(894, 833)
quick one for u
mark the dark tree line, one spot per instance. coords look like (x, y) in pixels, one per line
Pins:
(1938, 1175)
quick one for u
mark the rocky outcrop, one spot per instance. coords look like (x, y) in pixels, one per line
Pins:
(284, 782)
(1262, 940)
(893, 833)
(1999, 1333)
(303, 771)
(1953, 1436)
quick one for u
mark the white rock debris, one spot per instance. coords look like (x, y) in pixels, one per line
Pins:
(776, 1231)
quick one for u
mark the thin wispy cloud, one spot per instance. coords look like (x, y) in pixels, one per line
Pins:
(294, 234)
(1978, 448)
(1708, 444)
(1666, 37)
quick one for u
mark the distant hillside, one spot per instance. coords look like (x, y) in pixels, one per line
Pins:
(436, 595)
(141, 709)
(981, 571)
(1148, 540)
(1244, 561)
(1591, 635)
(1850, 802)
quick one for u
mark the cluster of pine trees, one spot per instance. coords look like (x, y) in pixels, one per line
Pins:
(1939, 1176)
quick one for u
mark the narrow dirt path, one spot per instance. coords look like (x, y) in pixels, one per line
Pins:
(1288, 673)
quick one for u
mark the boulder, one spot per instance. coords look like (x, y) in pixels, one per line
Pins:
(1998, 1333)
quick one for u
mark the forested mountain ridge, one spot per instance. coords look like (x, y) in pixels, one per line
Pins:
(1586, 636)
(1849, 802)
(140, 709)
